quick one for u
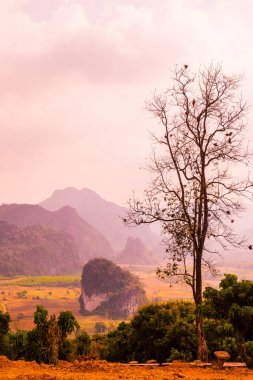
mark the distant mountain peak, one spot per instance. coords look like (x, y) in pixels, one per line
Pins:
(105, 216)
(135, 252)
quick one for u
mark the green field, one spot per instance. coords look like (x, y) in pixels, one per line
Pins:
(57, 281)
(4, 278)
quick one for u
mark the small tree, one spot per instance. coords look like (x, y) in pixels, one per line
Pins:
(66, 323)
(4, 328)
(36, 338)
(192, 194)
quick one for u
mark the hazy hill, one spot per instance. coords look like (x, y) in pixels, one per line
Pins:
(90, 242)
(103, 215)
(109, 290)
(36, 250)
(135, 252)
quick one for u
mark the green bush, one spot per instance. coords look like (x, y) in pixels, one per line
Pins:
(17, 345)
(180, 355)
(83, 342)
(117, 346)
(152, 333)
(68, 350)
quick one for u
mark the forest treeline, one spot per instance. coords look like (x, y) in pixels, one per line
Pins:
(162, 332)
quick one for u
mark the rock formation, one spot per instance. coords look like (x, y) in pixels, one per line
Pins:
(109, 290)
(135, 252)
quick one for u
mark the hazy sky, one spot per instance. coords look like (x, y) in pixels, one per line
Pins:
(74, 76)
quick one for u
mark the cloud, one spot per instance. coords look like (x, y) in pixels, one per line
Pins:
(127, 44)
(75, 74)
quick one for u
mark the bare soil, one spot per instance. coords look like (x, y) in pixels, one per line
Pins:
(100, 370)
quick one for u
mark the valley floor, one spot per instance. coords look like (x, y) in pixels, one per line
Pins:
(100, 370)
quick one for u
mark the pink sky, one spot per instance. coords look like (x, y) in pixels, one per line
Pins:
(75, 75)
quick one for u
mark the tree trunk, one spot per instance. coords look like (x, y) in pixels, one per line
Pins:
(202, 353)
(243, 350)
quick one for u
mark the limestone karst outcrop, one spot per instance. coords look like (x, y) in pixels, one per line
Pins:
(109, 290)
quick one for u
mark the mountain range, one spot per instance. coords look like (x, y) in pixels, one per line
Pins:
(90, 242)
(36, 250)
(60, 240)
(106, 217)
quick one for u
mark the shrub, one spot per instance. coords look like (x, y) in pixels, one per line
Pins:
(68, 350)
(83, 342)
(100, 327)
(152, 333)
(180, 355)
(117, 344)
(17, 345)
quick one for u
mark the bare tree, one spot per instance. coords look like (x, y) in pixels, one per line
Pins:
(193, 193)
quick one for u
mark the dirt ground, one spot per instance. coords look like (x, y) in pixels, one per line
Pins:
(100, 370)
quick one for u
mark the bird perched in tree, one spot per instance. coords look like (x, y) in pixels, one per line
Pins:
(193, 102)
(250, 247)
(186, 66)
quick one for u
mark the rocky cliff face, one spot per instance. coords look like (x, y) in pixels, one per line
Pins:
(109, 290)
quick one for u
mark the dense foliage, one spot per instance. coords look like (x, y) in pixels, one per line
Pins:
(167, 331)
(232, 305)
(47, 341)
(155, 332)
